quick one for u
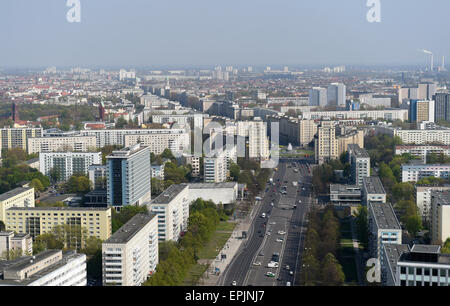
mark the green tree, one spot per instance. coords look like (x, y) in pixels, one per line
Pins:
(332, 273)
(37, 185)
(413, 224)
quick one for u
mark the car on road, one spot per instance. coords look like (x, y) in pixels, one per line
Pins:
(272, 264)
(291, 272)
(261, 254)
(279, 240)
(270, 274)
(288, 284)
(233, 283)
(272, 223)
(257, 263)
(281, 232)
(271, 204)
(300, 201)
(268, 234)
(263, 215)
(287, 267)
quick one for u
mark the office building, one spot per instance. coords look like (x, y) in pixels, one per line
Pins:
(442, 107)
(383, 227)
(421, 266)
(415, 172)
(18, 137)
(130, 255)
(359, 162)
(66, 164)
(40, 220)
(336, 94)
(62, 144)
(318, 96)
(129, 176)
(49, 268)
(172, 209)
(440, 216)
(372, 191)
(18, 197)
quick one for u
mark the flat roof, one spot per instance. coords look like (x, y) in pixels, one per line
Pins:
(212, 185)
(60, 208)
(425, 248)
(131, 228)
(127, 152)
(357, 151)
(373, 185)
(441, 197)
(169, 194)
(339, 188)
(384, 216)
(14, 192)
(393, 254)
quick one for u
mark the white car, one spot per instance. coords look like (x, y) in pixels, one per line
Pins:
(279, 240)
(257, 263)
(271, 204)
(281, 232)
(300, 201)
(272, 223)
(234, 283)
(291, 272)
(273, 264)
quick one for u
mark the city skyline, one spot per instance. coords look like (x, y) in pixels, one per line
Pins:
(202, 33)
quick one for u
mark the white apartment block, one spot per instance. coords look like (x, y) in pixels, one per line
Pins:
(422, 150)
(215, 169)
(10, 241)
(97, 175)
(326, 145)
(62, 144)
(359, 163)
(258, 142)
(383, 227)
(172, 209)
(416, 172)
(194, 161)
(423, 199)
(49, 268)
(18, 197)
(392, 114)
(157, 139)
(423, 137)
(67, 164)
(440, 216)
(372, 191)
(130, 255)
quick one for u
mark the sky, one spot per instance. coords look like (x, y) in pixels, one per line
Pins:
(150, 33)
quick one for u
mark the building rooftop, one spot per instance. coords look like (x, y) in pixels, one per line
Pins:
(393, 254)
(384, 216)
(212, 185)
(357, 151)
(169, 194)
(373, 185)
(127, 152)
(425, 248)
(129, 229)
(60, 208)
(14, 192)
(352, 189)
(441, 197)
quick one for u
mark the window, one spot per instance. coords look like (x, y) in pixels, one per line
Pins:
(419, 271)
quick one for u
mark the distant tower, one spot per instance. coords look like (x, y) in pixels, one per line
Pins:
(101, 112)
(14, 112)
(167, 84)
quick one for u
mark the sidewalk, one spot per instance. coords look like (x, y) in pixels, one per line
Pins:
(230, 249)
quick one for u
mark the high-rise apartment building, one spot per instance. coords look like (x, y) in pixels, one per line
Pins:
(336, 94)
(325, 145)
(61, 144)
(442, 107)
(65, 164)
(318, 96)
(129, 176)
(359, 162)
(440, 216)
(18, 137)
(420, 111)
(130, 255)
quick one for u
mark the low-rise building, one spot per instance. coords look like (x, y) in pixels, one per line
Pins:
(345, 195)
(130, 255)
(224, 193)
(422, 265)
(49, 268)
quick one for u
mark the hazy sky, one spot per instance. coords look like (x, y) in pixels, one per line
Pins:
(208, 32)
